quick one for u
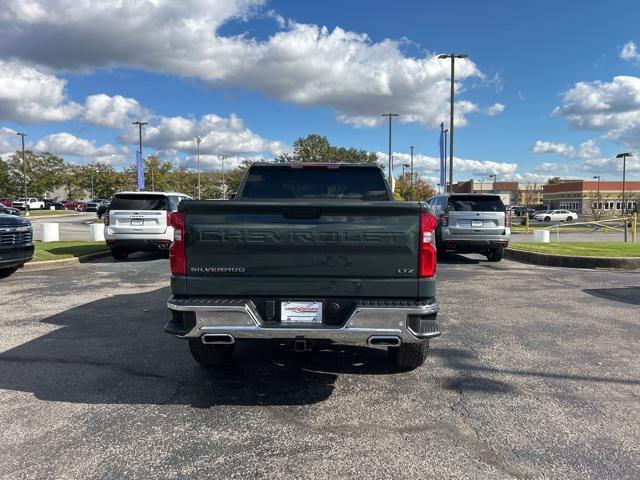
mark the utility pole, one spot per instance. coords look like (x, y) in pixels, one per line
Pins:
(224, 185)
(444, 187)
(24, 167)
(198, 140)
(453, 57)
(390, 160)
(624, 156)
(140, 124)
(411, 181)
(92, 166)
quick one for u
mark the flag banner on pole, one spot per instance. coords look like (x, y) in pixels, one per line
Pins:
(442, 159)
(140, 168)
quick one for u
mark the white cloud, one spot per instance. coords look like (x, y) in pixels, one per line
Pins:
(551, 168)
(563, 149)
(210, 163)
(67, 144)
(629, 52)
(30, 95)
(304, 64)
(495, 109)
(112, 112)
(9, 142)
(226, 136)
(426, 163)
(609, 107)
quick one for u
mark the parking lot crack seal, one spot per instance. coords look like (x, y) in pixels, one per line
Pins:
(130, 371)
(483, 448)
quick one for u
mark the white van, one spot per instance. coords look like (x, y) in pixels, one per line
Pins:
(140, 221)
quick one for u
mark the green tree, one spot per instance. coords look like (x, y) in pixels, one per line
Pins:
(553, 180)
(421, 190)
(316, 149)
(45, 172)
(4, 179)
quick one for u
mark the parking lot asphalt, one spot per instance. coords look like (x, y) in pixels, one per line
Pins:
(537, 375)
(73, 227)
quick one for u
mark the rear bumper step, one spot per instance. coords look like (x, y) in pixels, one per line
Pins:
(224, 321)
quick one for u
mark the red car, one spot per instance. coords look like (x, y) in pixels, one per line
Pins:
(74, 205)
(6, 202)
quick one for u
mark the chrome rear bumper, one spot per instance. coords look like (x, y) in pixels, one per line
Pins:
(411, 323)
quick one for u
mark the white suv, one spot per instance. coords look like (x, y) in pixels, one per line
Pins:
(140, 221)
(28, 204)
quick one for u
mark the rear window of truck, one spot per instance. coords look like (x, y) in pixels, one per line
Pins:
(139, 202)
(475, 203)
(310, 182)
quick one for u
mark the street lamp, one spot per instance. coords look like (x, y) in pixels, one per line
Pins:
(598, 201)
(444, 187)
(140, 124)
(390, 161)
(198, 140)
(453, 57)
(224, 186)
(92, 166)
(411, 181)
(405, 165)
(24, 167)
(624, 156)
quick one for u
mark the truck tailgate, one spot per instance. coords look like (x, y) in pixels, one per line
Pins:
(301, 248)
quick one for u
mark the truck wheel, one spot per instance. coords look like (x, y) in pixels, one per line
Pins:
(5, 272)
(409, 356)
(210, 355)
(495, 255)
(119, 254)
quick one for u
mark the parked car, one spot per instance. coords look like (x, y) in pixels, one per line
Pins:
(74, 205)
(471, 223)
(532, 215)
(56, 204)
(29, 203)
(9, 210)
(305, 254)
(139, 221)
(7, 202)
(16, 243)
(93, 205)
(556, 216)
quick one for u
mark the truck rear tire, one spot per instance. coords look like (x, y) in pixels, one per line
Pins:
(409, 356)
(210, 355)
(119, 254)
(5, 272)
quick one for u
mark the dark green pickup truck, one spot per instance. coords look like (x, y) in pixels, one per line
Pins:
(305, 253)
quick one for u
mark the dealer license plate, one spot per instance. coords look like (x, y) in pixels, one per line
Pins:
(476, 223)
(301, 312)
(137, 223)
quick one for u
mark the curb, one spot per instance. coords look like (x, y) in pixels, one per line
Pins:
(569, 261)
(65, 262)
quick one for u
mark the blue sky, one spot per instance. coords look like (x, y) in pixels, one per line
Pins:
(552, 88)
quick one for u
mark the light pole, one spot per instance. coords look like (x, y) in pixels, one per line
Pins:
(453, 57)
(624, 156)
(390, 161)
(140, 124)
(24, 167)
(598, 198)
(92, 166)
(411, 181)
(198, 140)
(224, 186)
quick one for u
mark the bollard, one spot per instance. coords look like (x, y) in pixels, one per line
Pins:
(97, 232)
(51, 207)
(49, 232)
(541, 236)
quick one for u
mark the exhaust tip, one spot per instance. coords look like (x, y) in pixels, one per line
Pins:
(217, 339)
(384, 340)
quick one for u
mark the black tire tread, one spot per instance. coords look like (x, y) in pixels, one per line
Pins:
(210, 355)
(409, 356)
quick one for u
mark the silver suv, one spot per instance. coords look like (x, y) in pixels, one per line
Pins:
(471, 223)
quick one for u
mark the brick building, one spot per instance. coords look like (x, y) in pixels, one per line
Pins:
(512, 193)
(582, 197)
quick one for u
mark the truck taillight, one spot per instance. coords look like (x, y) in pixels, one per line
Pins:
(177, 258)
(507, 219)
(427, 246)
(105, 215)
